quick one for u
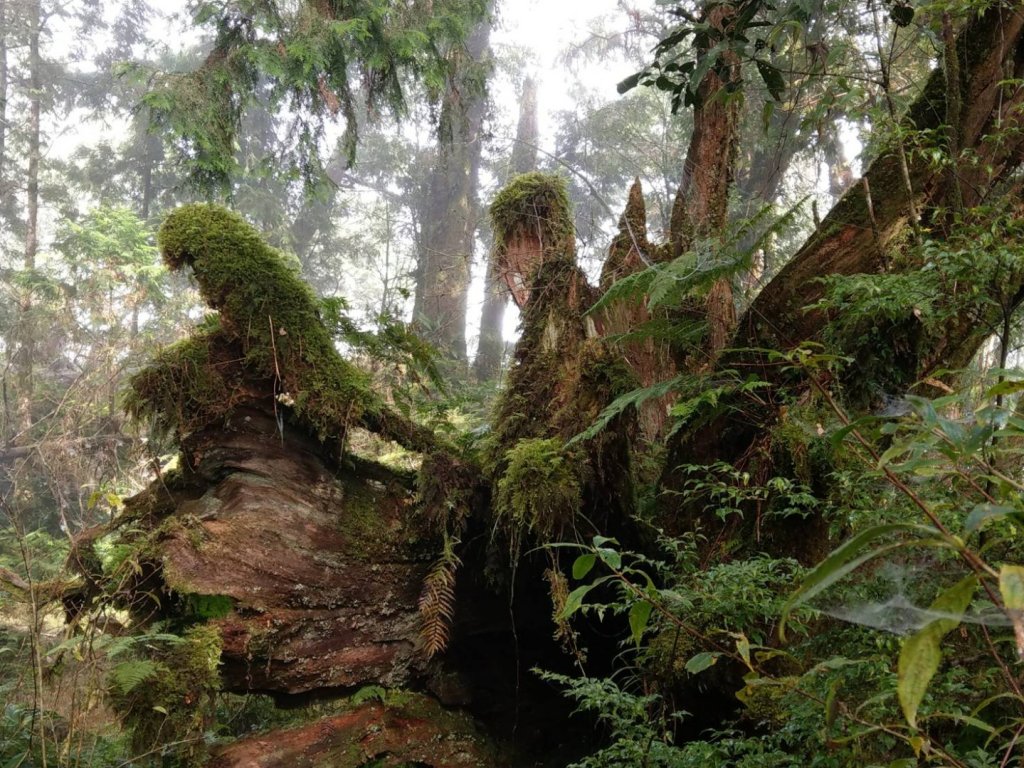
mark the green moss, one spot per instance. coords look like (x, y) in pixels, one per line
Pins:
(169, 698)
(540, 488)
(269, 311)
(201, 607)
(445, 490)
(534, 205)
(188, 385)
(562, 377)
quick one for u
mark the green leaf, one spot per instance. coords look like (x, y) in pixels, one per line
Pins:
(773, 79)
(639, 615)
(574, 601)
(982, 513)
(922, 652)
(128, 675)
(635, 398)
(901, 15)
(610, 557)
(700, 662)
(630, 82)
(1011, 587)
(582, 566)
(1006, 387)
(704, 63)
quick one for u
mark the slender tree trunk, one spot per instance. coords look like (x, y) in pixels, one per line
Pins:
(26, 352)
(524, 159)
(3, 97)
(450, 211)
(151, 154)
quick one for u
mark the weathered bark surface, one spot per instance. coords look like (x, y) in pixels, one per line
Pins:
(417, 733)
(853, 239)
(650, 359)
(850, 240)
(323, 566)
(701, 206)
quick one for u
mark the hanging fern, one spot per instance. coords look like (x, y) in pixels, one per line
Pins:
(437, 600)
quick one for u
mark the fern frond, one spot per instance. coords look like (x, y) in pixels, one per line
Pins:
(129, 675)
(437, 602)
(635, 397)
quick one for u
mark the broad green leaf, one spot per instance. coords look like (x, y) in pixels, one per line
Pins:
(639, 615)
(922, 652)
(574, 601)
(700, 662)
(1011, 587)
(704, 63)
(743, 648)
(1007, 387)
(610, 557)
(773, 79)
(582, 566)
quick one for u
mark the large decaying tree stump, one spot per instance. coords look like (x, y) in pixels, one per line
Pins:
(310, 561)
(307, 559)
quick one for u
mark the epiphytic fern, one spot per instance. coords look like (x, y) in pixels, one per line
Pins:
(129, 675)
(437, 600)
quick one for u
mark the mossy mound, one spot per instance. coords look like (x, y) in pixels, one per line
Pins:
(169, 697)
(270, 312)
(540, 489)
(268, 343)
(534, 205)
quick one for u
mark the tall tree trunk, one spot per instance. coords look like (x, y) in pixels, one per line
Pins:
(701, 205)
(524, 159)
(151, 147)
(3, 96)
(27, 332)
(450, 210)
(854, 234)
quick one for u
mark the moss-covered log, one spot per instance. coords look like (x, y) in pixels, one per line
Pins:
(306, 560)
(267, 344)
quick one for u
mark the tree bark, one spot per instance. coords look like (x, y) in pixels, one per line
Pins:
(851, 240)
(701, 207)
(450, 209)
(3, 97)
(524, 159)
